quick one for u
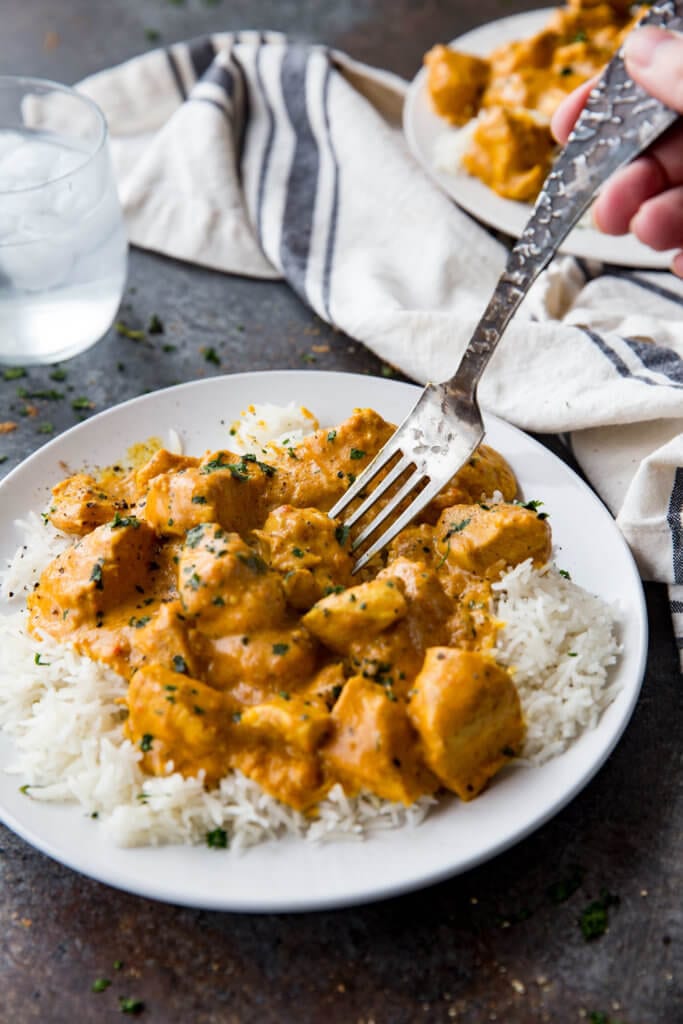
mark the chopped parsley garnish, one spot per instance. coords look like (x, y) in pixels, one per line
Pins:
(193, 536)
(357, 453)
(280, 649)
(211, 356)
(533, 506)
(236, 716)
(253, 562)
(155, 325)
(58, 374)
(37, 661)
(341, 535)
(284, 695)
(217, 839)
(198, 499)
(146, 742)
(194, 582)
(456, 528)
(138, 623)
(218, 601)
(13, 373)
(298, 553)
(46, 428)
(332, 435)
(101, 984)
(120, 521)
(96, 575)
(564, 574)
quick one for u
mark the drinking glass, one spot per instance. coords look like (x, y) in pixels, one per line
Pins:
(63, 248)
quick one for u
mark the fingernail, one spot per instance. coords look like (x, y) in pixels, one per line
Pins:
(641, 44)
(677, 265)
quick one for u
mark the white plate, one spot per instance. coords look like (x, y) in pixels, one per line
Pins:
(422, 128)
(294, 875)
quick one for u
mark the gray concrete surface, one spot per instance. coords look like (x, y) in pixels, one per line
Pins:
(490, 945)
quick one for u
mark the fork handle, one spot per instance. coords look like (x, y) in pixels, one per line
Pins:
(619, 121)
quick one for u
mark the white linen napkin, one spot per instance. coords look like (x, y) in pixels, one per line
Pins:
(257, 156)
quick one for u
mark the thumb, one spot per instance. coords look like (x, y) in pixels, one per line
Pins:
(654, 58)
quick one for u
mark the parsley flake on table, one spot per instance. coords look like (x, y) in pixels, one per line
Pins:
(127, 1004)
(101, 984)
(594, 918)
(128, 332)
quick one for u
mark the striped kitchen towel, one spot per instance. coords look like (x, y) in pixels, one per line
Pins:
(254, 155)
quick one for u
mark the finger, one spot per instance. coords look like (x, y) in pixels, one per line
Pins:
(677, 264)
(654, 58)
(660, 169)
(659, 221)
(624, 194)
(569, 109)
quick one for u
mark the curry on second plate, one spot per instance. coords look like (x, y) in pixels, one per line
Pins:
(222, 591)
(514, 91)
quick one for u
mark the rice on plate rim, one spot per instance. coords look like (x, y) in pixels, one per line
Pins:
(61, 709)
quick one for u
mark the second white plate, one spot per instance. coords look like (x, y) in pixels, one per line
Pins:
(423, 127)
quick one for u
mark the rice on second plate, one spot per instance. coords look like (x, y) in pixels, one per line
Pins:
(61, 710)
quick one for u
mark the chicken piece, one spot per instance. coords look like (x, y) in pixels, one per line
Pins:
(255, 665)
(93, 577)
(319, 470)
(486, 541)
(373, 746)
(224, 488)
(394, 656)
(482, 475)
(164, 641)
(79, 504)
(416, 543)
(467, 713)
(534, 52)
(472, 626)
(455, 82)
(511, 151)
(290, 722)
(225, 586)
(326, 686)
(587, 20)
(310, 550)
(175, 718)
(339, 619)
(162, 461)
(292, 778)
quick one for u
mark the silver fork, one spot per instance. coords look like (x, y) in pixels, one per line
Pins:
(445, 427)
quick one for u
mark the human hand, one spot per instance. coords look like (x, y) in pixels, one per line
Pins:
(647, 196)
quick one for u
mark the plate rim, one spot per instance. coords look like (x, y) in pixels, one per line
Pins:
(415, 879)
(507, 215)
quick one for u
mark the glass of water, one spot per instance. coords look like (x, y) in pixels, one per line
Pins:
(63, 245)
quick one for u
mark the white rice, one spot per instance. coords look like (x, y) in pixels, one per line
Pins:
(61, 710)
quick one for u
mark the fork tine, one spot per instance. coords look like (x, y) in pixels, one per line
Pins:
(367, 476)
(394, 473)
(402, 521)
(410, 484)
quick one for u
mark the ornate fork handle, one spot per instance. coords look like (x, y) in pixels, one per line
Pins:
(619, 121)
